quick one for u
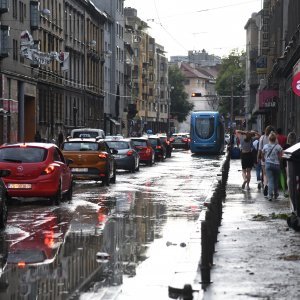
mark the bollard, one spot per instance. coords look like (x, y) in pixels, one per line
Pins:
(205, 260)
(209, 227)
(187, 292)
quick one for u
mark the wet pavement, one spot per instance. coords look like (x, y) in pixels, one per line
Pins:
(257, 254)
(146, 225)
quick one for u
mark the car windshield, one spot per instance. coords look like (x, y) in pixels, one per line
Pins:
(28, 256)
(23, 154)
(80, 146)
(139, 143)
(205, 127)
(118, 145)
(153, 142)
(85, 134)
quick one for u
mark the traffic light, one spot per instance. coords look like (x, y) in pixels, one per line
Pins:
(196, 95)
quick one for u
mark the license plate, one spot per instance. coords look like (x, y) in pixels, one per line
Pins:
(80, 170)
(23, 186)
(119, 156)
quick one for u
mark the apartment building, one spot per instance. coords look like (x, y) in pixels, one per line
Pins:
(150, 96)
(276, 57)
(55, 83)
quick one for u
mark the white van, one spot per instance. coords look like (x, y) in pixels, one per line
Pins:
(87, 133)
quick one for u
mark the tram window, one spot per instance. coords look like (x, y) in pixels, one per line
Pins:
(205, 127)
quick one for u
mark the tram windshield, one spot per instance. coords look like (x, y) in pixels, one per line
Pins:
(205, 127)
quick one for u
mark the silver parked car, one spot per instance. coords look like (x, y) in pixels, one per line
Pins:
(127, 157)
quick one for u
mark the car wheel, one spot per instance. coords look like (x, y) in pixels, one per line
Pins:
(106, 179)
(69, 194)
(137, 168)
(3, 210)
(113, 179)
(56, 199)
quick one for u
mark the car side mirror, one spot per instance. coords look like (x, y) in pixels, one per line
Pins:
(69, 161)
(4, 173)
(114, 151)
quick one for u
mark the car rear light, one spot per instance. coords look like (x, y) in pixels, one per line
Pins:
(130, 153)
(167, 142)
(185, 140)
(171, 140)
(48, 170)
(148, 150)
(158, 147)
(21, 264)
(102, 155)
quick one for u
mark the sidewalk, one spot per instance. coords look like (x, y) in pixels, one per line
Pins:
(257, 254)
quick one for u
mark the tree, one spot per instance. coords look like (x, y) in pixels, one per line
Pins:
(180, 106)
(231, 81)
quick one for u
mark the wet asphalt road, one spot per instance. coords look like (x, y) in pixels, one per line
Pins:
(141, 226)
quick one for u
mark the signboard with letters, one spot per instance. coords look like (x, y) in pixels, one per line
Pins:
(268, 99)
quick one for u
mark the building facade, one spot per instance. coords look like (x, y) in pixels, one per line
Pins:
(149, 103)
(276, 31)
(41, 91)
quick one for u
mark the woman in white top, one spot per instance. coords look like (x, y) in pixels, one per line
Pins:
(272, 153)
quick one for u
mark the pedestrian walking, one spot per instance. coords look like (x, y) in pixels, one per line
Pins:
(272, 153)
(60, 139)
(246, 145)
(37, 137)
(257, 162)
(264, 140)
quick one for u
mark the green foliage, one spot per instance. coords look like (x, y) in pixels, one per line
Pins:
(180, 106)
(231, 81)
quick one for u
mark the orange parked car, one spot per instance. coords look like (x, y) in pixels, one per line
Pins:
(92, 159)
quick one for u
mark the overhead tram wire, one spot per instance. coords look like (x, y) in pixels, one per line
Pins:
(161, 25)
(203, 10)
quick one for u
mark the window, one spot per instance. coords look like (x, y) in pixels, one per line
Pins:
(4, 41)
(205, 127)
(3, 6)
(25, 155)
(15, 50)
(22, 11)
(15, 9)
(34, 15)
(56, 156)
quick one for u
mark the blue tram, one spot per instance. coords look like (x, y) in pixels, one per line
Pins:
(207, 132)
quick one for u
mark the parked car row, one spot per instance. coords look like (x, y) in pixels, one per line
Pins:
(44, 171)
(34, 170)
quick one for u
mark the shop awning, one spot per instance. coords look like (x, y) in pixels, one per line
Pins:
(114, 121)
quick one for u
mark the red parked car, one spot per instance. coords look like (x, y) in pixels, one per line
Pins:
(145, 150)
(36, 170)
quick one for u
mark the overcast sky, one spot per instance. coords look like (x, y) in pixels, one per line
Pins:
(214, 25)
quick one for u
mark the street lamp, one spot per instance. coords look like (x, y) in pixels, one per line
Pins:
(231, 114)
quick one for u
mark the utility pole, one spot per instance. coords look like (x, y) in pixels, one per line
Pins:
(231, 114)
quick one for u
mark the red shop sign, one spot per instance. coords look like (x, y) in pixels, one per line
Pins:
(296, 84)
